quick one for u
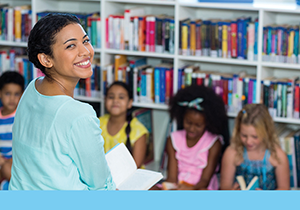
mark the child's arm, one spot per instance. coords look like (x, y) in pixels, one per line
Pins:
(209, 170)
(2, 160)
(172, 163)
(282, 170)
(228, 170)
(5, 170)
(139, 150)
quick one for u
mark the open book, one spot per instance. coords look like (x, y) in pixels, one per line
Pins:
(125, 173)
(251, 186)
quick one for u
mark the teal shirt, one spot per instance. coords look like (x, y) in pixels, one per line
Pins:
(57, 145)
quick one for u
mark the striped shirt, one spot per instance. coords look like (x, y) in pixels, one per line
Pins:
(6, 123)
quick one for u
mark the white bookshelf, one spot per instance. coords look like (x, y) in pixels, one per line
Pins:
(89, 99)
(13, 44)
(279, 13)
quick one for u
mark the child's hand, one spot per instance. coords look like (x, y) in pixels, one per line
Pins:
(258, 189)
(185, 187)
(236, 186)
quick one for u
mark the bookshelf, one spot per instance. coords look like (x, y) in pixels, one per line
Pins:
(278, 13)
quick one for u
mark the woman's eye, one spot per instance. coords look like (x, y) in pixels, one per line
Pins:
(71, 45)
(86, 41)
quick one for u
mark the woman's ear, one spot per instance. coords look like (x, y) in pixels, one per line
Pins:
(129, 103)
(45, 60)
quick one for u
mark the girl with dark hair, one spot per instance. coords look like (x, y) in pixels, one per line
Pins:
(57, 142)
(194, 152)
(118, 126)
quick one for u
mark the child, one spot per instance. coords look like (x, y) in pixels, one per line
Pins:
(254, 151)
(119, 127)
(11, 89)
(195, 151)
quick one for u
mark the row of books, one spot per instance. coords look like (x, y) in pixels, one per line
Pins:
(281, 96)
(289, 139)
(219, 38)
(281, 43)
(15, 22)
(148, 83)
(15, 59)
(91, 22)
(236, 90)
(136, 31)
(91, 86)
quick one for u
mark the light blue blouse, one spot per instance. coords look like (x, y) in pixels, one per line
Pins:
(57, 145)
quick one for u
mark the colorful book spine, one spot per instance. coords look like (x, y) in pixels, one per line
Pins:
(157, 85)
(240, 50)
(234, 39)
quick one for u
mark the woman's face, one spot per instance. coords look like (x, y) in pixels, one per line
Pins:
(72, 53)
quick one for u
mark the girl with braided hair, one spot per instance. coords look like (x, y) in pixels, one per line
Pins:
(118, 126)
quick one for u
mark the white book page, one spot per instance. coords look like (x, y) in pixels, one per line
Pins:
(121, 163)
(142, 179)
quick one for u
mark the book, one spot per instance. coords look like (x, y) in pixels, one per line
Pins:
(125, 173)
(169, 186)
(251, 186)
(145, 117)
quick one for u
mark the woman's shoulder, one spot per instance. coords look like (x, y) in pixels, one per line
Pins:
(76, 109)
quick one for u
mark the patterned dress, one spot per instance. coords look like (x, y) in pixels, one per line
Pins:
(260, 168)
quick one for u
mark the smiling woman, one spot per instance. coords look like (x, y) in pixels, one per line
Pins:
(57, 142)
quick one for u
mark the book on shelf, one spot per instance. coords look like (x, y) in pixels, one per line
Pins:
(219, 38)
(236, 90)
(253, 184)
(15, 22)
(135, 31)
(145, 117)
(281, 43)
(125, 173)
(281, 96)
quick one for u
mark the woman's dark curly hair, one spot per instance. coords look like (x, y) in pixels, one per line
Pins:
(42, 36)
(213, 109)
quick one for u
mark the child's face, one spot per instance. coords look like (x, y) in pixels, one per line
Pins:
(249, 137)
(72, 53)
(194, 124)
(10, 96)
(117, 101)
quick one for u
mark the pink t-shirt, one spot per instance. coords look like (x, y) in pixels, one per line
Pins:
(192, 161)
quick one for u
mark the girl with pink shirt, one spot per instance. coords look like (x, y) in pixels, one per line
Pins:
(194, 152)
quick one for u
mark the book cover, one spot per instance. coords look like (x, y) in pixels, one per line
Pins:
(145, 117)
(125, 173)
(254, 183)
